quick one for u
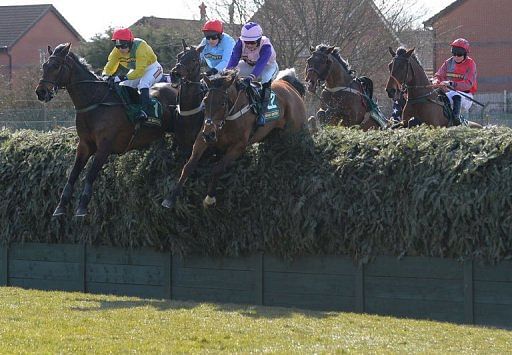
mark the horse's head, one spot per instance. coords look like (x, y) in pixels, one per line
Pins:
(400, 71)
(56, 72)
(188, 64)
(219, 102)
(318, 65)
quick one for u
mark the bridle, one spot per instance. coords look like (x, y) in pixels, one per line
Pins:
(58, 83)
(321, 76)
(229, 107)
(403, 86)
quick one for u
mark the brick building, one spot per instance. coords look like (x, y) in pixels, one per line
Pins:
(488, 28)
(25, 33)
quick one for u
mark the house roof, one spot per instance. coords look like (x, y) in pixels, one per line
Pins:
(446, 10)
(178, 25)
(16, 21)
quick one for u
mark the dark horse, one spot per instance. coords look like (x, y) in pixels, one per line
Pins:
(101, 122)
(424, 101)
(345, 98)
(190, 114)
(229, 121)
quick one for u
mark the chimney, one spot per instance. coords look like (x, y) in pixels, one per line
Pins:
(202, 11)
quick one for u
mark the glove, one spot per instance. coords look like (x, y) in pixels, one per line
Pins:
(246, 82)
(211, 72)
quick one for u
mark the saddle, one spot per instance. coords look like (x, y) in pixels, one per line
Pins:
(447, 109)
(132, 106)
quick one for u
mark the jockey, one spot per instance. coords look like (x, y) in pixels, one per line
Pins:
(458, 75)
(258, 61)
(136, 56)
(216, 46)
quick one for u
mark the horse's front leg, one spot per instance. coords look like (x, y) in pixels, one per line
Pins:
(83, 153)
(104, 150)
(197, 151)
(231, 155)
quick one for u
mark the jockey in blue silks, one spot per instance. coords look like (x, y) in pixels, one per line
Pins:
(216, 47)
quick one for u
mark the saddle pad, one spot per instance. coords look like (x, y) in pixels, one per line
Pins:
(273, 108)
(132, 106)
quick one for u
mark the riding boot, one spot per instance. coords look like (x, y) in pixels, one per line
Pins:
(456, 109)
(145, 104)
(265, 96)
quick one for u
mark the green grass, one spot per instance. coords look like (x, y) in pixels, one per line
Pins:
(60, 322)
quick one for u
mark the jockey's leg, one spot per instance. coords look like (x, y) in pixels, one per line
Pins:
(265, 96)
(457, 100)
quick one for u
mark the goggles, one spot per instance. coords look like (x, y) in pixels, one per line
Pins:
(211, 37)
(250, 42)
(458, 52)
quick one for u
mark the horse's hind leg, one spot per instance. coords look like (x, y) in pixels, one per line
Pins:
(83, 153)
(99, 159)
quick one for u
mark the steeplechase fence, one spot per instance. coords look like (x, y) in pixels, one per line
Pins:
(416, 287)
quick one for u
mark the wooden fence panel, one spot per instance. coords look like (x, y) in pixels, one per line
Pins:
(415, 287)
(217, 279)
(46, 266)
(4, 261)
(324, 282)
(493, 294)
(135, 272)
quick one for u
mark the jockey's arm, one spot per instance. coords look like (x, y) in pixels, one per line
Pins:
(265, 53)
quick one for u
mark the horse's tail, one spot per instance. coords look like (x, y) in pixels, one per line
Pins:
(367, 84)
(290, 76)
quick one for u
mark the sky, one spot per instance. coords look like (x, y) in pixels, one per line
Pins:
(93, 17)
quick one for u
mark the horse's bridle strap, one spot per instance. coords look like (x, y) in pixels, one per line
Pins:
(342, 88)
(239, 114)
(190, 112)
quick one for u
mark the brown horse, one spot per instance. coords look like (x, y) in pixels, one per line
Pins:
(229, 121)
(190, 114)
(424, 101)
(345, 98)
(101, 122)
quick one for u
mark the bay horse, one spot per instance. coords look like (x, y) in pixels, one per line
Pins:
(186, 77)
(406, 75)
(345, 99)
(229, 122)
(101, 121)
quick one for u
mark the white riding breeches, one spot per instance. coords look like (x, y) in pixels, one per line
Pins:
(465, 103)
(152, 75)
(269, 71)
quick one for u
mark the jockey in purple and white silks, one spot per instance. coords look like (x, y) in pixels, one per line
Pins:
(255, 58)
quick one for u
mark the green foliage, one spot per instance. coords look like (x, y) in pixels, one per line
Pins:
(431, 192)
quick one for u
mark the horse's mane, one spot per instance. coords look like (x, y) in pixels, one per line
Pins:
(336, 54)
(79, 60)
(400, 52)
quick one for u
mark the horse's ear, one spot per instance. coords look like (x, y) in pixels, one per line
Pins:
(330, 49)
(184, 44)
(392, 52)
(67, 47)
(410, 51)
(50, 50)
(199, 49)
(311, 49)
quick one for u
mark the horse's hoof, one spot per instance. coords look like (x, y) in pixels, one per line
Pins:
(167, 203)
(81, 212)
(209, 201)
(59, 211)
